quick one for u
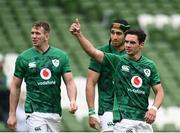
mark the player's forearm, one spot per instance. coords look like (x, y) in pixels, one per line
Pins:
(89, 48)
(159, 97)
(71, 91)
(90, 96)
(14, 98)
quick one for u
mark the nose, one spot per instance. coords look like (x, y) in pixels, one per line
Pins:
(127, 44)
(33, 35)
(115, 36)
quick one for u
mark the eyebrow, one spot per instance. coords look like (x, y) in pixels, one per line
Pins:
(119, 31)
(130, 41)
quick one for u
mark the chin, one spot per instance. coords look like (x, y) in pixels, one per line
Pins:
(34, 44)
(128, 53)
(115, 43)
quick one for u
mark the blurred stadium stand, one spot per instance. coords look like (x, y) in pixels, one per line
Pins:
(159, 18)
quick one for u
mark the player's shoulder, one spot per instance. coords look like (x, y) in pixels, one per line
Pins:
(57, 50)
(51, 51)
(144, 58)
(27, 52)
(148, 61)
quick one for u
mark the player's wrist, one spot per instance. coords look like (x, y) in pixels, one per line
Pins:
(79, 34)
(154, 108)
(91, 112)
(73, 101)
(12, 113)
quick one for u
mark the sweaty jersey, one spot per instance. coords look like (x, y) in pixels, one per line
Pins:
(105, 87)
(42, 74)
(132, 83)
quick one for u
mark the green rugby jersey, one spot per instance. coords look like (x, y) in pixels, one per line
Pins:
(42, 74)
(105, 86)
(133, 80)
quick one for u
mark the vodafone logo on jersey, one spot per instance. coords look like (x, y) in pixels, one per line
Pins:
(136, 81)
(45, 74)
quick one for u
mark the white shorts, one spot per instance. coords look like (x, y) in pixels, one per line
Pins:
(126, 125)
(43, 122)
(106, 122)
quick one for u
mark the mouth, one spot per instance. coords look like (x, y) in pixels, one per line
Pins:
(115, 41)
(128, 50)
(34, 41)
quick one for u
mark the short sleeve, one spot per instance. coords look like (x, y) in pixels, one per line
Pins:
(66, 66)
(19, 67)
(155, 77)
(95, 66)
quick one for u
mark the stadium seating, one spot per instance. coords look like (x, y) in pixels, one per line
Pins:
(159, 18)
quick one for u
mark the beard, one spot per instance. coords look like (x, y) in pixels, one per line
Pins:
(117, 44)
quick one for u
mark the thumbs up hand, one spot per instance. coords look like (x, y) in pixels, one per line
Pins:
(75, 27)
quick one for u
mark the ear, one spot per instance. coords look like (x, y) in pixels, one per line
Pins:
(47, 35)
(142, 44)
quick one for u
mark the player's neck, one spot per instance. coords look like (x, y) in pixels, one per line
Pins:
(119, 48)
(43, 48)
(135, 57)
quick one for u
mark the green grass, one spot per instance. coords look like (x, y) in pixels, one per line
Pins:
(2, 127)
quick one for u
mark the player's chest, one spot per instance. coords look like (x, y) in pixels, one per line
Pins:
(43, 65)
(133, 72)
